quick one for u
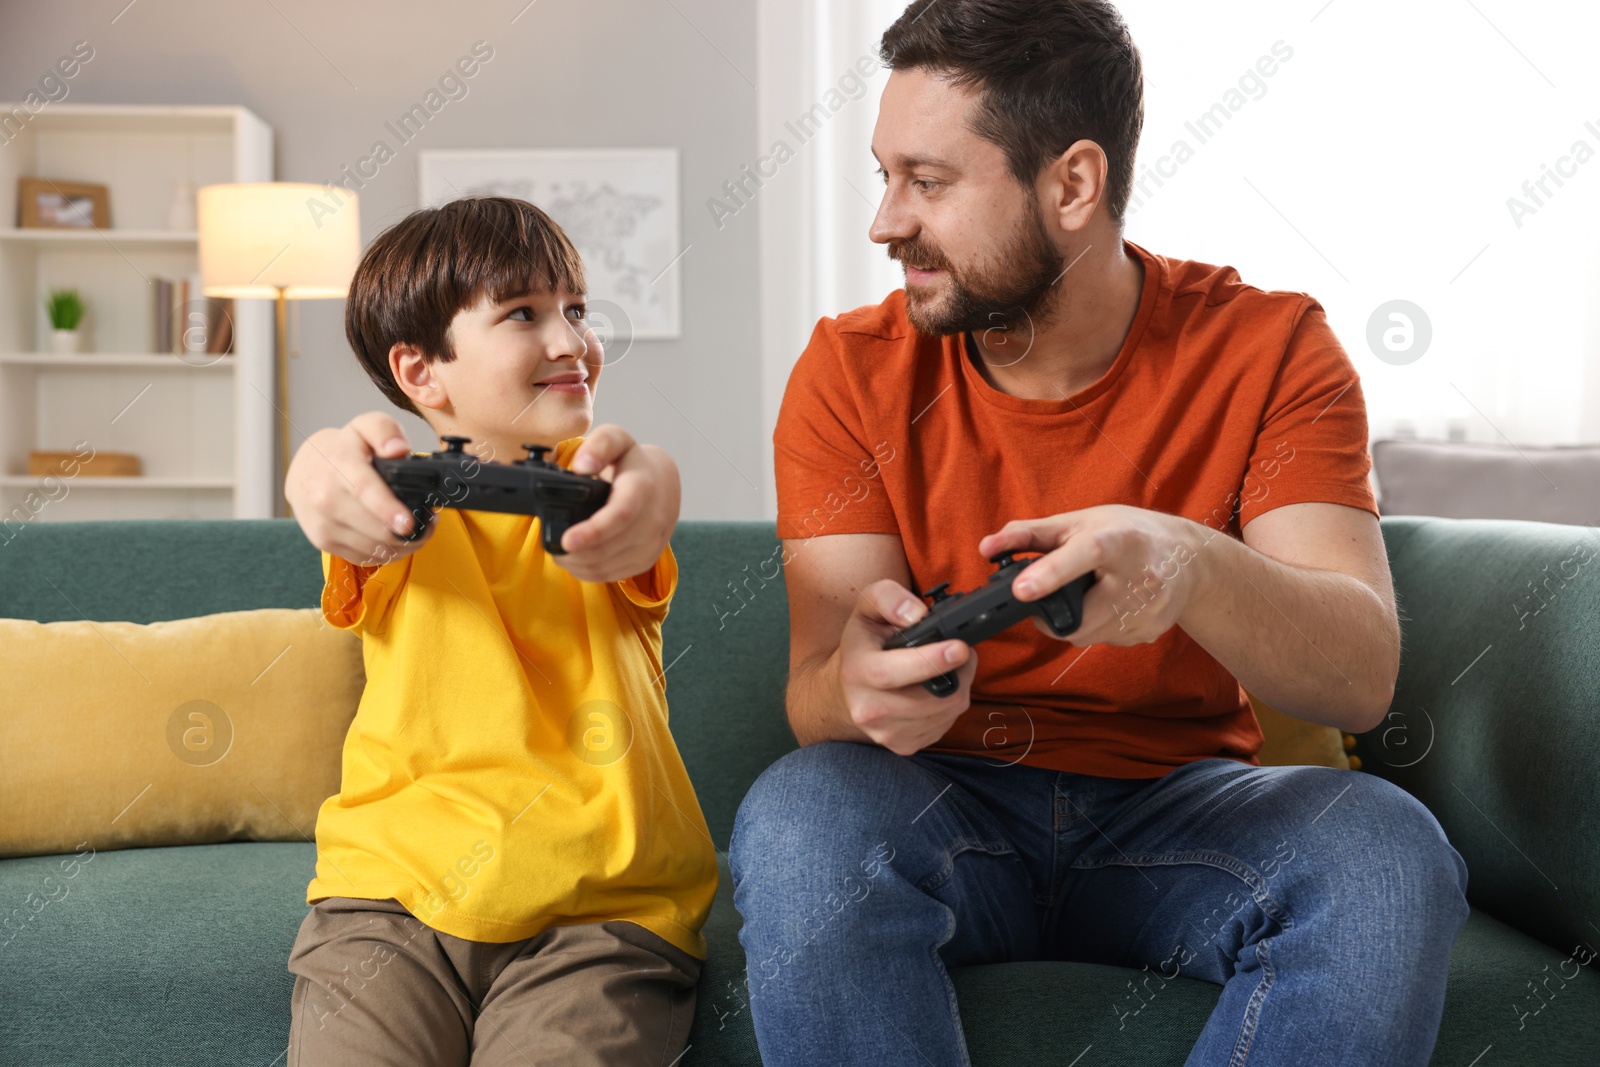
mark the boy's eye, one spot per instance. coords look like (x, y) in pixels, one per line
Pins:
(522, 314)
(581, 309)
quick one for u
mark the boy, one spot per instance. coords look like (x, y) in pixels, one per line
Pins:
(515, 868)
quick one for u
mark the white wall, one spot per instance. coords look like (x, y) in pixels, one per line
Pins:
(1376, 164)
(565, 73)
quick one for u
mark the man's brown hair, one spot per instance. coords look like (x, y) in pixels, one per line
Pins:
(431, 264)
(1049, 73)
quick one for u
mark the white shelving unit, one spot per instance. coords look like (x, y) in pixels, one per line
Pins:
(203, 426)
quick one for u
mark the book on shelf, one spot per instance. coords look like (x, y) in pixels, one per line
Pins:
(186, 322)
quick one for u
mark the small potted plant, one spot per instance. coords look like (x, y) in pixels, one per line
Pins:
(65, 308)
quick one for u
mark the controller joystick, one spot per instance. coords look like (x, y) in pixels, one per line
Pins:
(455, 478)
(979, 614)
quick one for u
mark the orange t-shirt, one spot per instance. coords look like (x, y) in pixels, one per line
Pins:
(1224, 402)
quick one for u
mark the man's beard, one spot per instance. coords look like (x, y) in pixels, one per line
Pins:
(1005, 291)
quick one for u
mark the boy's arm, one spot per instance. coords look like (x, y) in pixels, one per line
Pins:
(626, 537)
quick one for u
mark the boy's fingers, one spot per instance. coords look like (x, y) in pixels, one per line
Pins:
(381, 434)
(601, 449)
(619, 513)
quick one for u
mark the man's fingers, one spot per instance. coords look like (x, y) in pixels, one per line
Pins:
(897, 668)
(887, 601)
(1051, 571)
(1020, 535)
(601, 449)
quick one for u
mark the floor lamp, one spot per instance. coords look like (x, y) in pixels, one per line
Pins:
(278, 241)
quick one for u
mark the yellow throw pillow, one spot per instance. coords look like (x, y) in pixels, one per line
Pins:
(1289, 742)
(220, 728)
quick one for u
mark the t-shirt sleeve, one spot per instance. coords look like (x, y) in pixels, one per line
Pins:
(823, 454)
(356, 597)
(653, 589)
(1312, 445)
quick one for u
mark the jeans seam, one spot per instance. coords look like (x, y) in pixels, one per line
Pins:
(958, 846)
(1239, 869)
(950, 991)
(1252, 1012)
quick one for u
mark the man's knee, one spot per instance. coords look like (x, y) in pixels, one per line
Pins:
(810, 799)
(1393, 861)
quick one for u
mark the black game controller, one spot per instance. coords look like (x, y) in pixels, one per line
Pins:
(983, 612)
(455, 478)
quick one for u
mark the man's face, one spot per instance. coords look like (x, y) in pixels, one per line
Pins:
(974, 244)
(525, 371)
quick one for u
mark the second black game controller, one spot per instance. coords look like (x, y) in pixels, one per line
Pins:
(981, 613)
(455, 478)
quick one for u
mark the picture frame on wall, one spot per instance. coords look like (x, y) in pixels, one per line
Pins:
(618, 205)
(49, 204)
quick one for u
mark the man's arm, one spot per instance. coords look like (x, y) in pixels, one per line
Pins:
(1301, 611)
(844, 590)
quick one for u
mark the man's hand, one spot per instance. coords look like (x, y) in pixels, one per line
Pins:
(628, 534)
(882, 689)
(341, 502)
(1142, 559)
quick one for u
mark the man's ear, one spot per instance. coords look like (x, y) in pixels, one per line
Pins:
(1073, 185)
(413, 373)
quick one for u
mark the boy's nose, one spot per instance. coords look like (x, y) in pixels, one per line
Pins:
(573, 341)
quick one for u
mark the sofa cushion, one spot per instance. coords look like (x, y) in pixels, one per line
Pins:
(179, 956)
(116, 734)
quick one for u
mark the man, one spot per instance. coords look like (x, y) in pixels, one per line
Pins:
(1041, 386)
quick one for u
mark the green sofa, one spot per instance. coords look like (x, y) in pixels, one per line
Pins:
(176, 955)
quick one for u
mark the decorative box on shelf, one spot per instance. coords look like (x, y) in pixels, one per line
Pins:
(200, 425)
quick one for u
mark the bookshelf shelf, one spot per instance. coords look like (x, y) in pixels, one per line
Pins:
(203, 425)
(131, 482)
(95, 361)
(179, 238)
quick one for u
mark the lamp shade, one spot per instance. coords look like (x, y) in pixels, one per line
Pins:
(260, 238)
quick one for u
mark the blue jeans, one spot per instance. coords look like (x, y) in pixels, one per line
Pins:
(1314, 897)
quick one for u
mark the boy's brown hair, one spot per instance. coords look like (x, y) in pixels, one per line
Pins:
(431, 264)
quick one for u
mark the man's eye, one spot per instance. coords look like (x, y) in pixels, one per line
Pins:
(522, 314)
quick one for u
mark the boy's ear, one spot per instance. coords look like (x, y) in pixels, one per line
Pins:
(414, 375)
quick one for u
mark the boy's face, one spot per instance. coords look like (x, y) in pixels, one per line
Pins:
(525, 372)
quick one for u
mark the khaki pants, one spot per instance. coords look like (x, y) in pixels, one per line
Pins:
(375, 986)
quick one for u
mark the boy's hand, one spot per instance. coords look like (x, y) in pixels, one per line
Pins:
(627, 535)
(341, 502)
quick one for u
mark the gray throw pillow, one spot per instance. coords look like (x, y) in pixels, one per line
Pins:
(1475, 481)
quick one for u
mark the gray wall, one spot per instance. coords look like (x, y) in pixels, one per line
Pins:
(566, 74)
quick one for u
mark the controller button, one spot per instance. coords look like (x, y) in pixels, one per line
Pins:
(454, 444)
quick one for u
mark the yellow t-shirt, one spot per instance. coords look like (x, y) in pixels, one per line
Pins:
(509, 768)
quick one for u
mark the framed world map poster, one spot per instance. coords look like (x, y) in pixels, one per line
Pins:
(619, 206)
